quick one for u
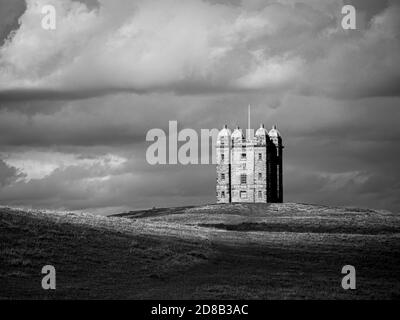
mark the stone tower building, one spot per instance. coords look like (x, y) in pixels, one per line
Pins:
(249, 169)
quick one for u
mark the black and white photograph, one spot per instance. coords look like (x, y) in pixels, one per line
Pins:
(225, 151)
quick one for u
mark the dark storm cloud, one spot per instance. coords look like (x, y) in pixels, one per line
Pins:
(267, 46)
(343, 153)
(108, 121)
(18, 95)
(79, 138)
(71, 188)
(369, 7)
(8, 174)
(10, 11)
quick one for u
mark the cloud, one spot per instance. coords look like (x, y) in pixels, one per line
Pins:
(86, 155)
(8, 174)
(199, 47)
(110, 184)
(76, 103)
(363, 67)
(9, 14)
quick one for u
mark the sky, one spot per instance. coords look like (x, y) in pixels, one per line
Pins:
(77, 102)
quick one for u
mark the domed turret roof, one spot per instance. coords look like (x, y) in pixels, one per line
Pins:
(237, 134)
(274, 133)
(261, 131)
(224, 133)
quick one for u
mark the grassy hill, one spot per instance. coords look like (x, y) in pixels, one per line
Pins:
(242, 251)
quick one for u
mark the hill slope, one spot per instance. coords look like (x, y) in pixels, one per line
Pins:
(258, 251)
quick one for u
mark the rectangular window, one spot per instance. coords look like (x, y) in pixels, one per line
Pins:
(243, 156)
(259, 176)
(222, 176)
(243, 194)
(260, 194)
(223, 194)
(222, 157)
(243, 179)
(260, 156)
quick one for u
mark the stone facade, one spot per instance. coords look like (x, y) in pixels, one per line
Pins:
(249, 169)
